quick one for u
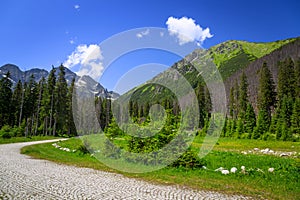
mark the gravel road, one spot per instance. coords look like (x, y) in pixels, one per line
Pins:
(22, 177)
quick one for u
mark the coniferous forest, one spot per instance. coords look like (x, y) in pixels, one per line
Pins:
(37, 108)
(45, 108)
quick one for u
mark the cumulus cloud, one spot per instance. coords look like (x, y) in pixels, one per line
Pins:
(77, 6)
(143, 33)
(89, 57)
(186, 30)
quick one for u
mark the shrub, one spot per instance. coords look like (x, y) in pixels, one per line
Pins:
(189, 159)
(5, 132)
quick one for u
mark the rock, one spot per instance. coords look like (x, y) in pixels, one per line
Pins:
(233, 169)
(271, 170)
(219, 169)
(225, 171)
(283, 154)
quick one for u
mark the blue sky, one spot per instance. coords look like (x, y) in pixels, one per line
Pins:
(44, 33)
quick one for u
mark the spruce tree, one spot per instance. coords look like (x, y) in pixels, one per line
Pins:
(295, 118)
(250, 119)
(5, 98)
(266, 99)
(262, 124)
(17, 102)
(243, 97)
(286, 80)
(61, 91)
(232, 103)
(297, 79)
(71, 129)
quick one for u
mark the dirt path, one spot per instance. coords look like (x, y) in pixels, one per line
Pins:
(24, 178)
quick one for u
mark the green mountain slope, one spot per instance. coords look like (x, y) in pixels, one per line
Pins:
(233, 55)
(230, 57)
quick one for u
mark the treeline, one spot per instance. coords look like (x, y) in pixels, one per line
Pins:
(275, 117)
(37, 108)
(278, 106)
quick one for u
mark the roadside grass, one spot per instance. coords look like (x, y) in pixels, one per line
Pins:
(283, 183)
(25, 139)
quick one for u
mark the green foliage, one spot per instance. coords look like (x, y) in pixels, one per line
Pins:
(295, 118)
(5, 132)
(5, 99)
(250, 119)
(189, 159)
(243, 97)
(262, 124)
(286, 80)
(266, 90)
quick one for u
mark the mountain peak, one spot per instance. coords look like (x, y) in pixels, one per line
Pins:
(85, 81)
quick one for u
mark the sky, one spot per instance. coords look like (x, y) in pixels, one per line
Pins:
(42, 33)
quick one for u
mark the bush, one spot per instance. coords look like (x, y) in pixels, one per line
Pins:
(5, 132)
(189, 159)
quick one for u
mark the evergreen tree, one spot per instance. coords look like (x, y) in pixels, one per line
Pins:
(17, 99)
(47, 108)
(262, 124)
(61, 91)
(30, 105)
(295, 118)
(243, 97)
(5, 98)
(232, 103)
(266, 97)
(71, 128)
(41, 87)
(250, 119)
(286, 80)
(239, 128)
(297, 79)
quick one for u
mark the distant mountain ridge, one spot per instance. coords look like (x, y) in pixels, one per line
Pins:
(231, 58)
(87, 82)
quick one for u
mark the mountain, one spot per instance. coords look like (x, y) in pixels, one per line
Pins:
(231, 58)
(85, 82)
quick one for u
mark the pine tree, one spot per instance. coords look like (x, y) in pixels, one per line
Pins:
(61, 91)
(297, 79)
(232, 103)
(286, 80)
(17, 103)
(266, 96)
(71, 128)
(295, 118)
(250, 119)
(30, 104)
(262, 124)
(47, 103)
(239, 128)
(243, 97)
(5, 98)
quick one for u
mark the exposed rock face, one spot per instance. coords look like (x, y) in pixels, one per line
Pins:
(89, 84)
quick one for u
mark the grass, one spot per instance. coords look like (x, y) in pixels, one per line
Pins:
(283, 183)
(25, 139)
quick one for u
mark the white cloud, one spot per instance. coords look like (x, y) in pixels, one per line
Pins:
(186, 30)
(143, 33)
(89, 58)
(77, 6)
